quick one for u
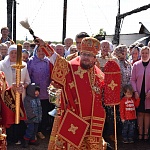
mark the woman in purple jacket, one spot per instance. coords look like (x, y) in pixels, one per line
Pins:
(39, 72)
(141, 85)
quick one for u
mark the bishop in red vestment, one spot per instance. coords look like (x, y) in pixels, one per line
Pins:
(82, 82)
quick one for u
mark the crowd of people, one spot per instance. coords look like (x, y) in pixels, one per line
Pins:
(77, 69)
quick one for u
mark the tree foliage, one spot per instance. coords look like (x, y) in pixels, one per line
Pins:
(101, 35)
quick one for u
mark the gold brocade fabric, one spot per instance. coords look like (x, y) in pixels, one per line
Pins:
(60, 70)
(89, 143)
(3, 86)
(102, 61)
(71, 56)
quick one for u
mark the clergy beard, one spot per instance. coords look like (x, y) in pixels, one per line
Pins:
(86, 66)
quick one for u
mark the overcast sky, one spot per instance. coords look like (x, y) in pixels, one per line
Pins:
(46, 17)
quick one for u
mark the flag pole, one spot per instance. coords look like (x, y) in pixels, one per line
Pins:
(115, 129)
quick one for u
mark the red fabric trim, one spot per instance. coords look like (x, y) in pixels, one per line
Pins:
(32, 141)
(27, 139)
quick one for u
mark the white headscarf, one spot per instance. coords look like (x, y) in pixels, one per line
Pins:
(12, 47)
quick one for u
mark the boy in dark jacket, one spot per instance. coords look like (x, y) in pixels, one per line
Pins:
(33, 110)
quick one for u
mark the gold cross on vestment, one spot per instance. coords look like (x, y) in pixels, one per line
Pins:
(71, 85)
(80, 72)
(59, 73)
(112, 85)
(73, 129)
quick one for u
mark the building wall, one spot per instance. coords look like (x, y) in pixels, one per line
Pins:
(128, 39)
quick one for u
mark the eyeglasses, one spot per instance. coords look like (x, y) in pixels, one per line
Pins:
(87, 55)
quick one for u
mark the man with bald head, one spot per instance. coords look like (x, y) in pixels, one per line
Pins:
(68, 42)
(105, 54)
(60, 50)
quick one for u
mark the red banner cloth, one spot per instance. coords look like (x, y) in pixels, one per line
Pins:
(8, 108)
(73, 129)
(112, 83)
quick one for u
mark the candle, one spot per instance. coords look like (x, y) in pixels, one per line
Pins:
(19, 54)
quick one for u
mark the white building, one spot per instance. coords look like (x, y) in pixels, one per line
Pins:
(142, 36)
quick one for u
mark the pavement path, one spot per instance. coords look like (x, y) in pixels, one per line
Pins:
(44, 145)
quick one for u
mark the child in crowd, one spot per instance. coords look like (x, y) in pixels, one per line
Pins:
(33, 110)
(128, 106)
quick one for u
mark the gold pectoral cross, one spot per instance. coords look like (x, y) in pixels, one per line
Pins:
(96, 89)
(73, 129)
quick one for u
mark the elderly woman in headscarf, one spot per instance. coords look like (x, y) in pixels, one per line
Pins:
(10, 73)
(135, 55)
(121, 53)
(39, 72)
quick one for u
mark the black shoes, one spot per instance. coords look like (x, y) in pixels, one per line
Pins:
(36, 143)
(25, 144)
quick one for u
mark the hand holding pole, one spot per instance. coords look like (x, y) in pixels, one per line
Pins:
(18, 66)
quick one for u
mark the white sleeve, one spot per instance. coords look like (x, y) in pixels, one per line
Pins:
(27, 78)
(52, 59)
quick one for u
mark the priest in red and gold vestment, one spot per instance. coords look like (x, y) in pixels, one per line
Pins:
(3, 87)
(82, 115)
(7, 108)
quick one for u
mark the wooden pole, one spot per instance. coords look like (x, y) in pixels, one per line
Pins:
(64, 21)
(117, 27)
(115, 127)
(9, 16)
(14, 21)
